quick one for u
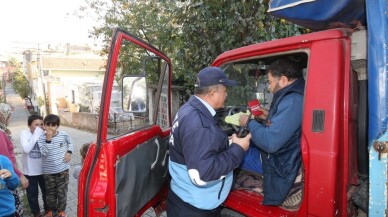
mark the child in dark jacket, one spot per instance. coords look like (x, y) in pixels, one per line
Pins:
(83, 151)
(8, 180)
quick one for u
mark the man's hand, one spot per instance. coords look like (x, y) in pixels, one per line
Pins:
(67, 157)
(243, 119)
(242, 142)
(264, 114)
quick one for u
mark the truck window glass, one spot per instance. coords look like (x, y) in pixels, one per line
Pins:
(133, 103)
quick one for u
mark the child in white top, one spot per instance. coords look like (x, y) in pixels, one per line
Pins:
(32, 162)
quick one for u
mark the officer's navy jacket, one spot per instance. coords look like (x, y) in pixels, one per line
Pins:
(201, 159)
(279, 142)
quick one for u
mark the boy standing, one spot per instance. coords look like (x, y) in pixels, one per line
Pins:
(32, 163)
(56, 148)
(83, 151)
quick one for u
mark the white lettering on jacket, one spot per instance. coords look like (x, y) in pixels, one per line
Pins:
(175, 125)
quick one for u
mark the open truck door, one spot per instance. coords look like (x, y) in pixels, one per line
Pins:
(125, 171)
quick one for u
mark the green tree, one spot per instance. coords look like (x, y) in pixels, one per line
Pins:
(149, 20)
(13, 62)
(192, 33)
(20, 83)
(210, 28)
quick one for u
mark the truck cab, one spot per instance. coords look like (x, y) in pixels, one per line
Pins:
(125, 172)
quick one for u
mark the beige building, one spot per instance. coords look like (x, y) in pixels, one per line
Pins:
(59, 76)
(65, 76)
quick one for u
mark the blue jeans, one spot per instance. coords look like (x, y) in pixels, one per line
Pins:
(252, 160)
(33, 192)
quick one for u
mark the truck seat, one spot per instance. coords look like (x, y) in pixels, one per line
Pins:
(253, 182)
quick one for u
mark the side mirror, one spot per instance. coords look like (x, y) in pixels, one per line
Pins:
(134, 96)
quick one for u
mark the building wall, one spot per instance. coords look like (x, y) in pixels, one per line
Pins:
(64, 84)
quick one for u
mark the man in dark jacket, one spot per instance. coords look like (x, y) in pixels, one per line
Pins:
(278, 140)
(201, 159)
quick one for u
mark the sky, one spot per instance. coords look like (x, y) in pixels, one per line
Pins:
(29, 23)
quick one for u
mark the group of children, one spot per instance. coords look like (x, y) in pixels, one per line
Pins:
(46, 156)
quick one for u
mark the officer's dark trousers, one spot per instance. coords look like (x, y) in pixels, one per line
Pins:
(176, 207)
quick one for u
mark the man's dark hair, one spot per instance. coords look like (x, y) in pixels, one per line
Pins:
(32, 118)
(285, 67)
(52, 120)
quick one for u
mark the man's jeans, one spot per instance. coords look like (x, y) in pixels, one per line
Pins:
(33, 193)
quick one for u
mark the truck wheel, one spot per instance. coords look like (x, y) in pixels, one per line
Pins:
(230, 213)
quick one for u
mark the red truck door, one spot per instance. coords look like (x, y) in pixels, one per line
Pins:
(125, 171)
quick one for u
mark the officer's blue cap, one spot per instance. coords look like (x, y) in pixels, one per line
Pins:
(211, 76)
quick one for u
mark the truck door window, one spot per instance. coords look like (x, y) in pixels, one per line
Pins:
(252, 80)
(252, 84)
(139, 96)
(164, 107)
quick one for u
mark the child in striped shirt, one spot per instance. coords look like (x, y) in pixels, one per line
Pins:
(56, 148)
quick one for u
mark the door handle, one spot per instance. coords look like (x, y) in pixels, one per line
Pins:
(157, 154)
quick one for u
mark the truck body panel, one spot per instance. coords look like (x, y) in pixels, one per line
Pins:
(320, 14)
(371, 14)
(377, 101)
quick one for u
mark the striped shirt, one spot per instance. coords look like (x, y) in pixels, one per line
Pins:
(53, 153)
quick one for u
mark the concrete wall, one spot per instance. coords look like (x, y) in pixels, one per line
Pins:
(81, 120)
(85, 120)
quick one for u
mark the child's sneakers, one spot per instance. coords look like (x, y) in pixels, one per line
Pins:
(37, 215)
(48, 214)
(62, 214)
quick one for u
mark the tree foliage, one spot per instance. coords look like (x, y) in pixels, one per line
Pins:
(20, 83)
(192, 33)
(13, 62)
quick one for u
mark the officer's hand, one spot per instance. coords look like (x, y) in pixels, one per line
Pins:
(242, 142)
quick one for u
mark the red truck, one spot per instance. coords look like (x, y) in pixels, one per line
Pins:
(125, 172)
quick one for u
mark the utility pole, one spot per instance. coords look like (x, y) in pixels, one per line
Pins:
(27, 59)
(42, 82)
